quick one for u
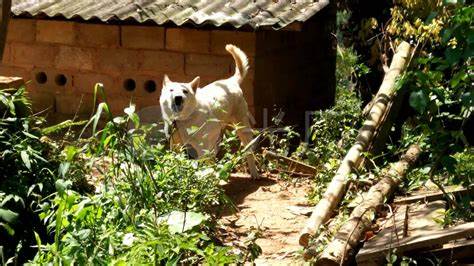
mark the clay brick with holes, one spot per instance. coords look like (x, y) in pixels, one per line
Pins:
(118, 103)
(33, 55)
(6, 58)
(113, 61)
(75, 58)
(71, 104)
(129, 86)
(144, 37)
(97, 35)
(41, 102)
(52, 80)
(21, 30)
(85, 82)
(133, 85)
(52, 31)
(161, 61)
(149, 86)
(198, 64)
(143, 102)
(187, 40)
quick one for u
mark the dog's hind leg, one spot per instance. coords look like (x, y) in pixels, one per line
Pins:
(246, 136)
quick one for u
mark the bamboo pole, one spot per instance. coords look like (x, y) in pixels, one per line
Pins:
(335, 190)
(361, 217)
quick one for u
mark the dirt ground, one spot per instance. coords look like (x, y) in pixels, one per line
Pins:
(279, 208)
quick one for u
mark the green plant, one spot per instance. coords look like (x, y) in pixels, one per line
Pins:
(155, 206)
(28, 166)
(441, 94)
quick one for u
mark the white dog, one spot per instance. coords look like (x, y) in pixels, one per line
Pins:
(200, 115)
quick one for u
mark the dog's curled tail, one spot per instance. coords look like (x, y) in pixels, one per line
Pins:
(241, 62)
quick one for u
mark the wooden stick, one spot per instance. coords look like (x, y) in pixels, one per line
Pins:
(293, 165)
(4, 18)
(421, 241)
(436, 195)
(361, 217)
(335, 190)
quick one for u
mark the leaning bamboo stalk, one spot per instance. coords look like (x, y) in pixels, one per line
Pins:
(361, 217)
(335, 190)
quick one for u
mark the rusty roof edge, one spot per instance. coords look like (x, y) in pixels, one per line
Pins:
(298, 22)
(293, 25)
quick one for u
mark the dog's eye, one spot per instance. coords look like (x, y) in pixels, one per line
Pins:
(185, 91)
(171, 90)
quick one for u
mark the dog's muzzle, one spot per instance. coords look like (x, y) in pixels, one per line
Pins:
(177, 105)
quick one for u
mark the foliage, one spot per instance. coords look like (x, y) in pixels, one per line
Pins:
(334, 129)
(155, 206)
(442, 95)
(28, 166)
(419, 20)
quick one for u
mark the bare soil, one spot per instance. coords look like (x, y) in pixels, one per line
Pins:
(279, 208)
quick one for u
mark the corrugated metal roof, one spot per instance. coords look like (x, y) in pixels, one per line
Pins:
(256, 13)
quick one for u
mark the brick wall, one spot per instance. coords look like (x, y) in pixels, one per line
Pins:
(292, 71)
(63, 61)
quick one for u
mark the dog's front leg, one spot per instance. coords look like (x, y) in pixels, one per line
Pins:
(167, 129)
(245, 135)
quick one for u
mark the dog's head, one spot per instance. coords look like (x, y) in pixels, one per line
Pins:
(178, 100)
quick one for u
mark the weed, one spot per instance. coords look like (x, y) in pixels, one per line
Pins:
(156, 206)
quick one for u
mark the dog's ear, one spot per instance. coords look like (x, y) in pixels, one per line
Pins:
(166, 80)
(195, 83)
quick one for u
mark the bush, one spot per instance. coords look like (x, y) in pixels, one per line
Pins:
(28, 167)
(154, 206)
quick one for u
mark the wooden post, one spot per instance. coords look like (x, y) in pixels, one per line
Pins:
(360, 220)
(335, 190)
(4, 17)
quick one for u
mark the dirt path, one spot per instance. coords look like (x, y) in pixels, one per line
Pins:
(278, 207)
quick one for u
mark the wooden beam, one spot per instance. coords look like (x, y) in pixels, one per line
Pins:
(436, 195)
(418, 242)
(336, 188)
(293, 165)
(352, 231)
(4, 18)
(459, 249)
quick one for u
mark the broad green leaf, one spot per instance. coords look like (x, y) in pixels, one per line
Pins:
(179, 221)
(458, 77)
(8, 228)
(26, 159)
(103, 107)
(64, 168)
(71, 152)
(8, 216)
(61, 185)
